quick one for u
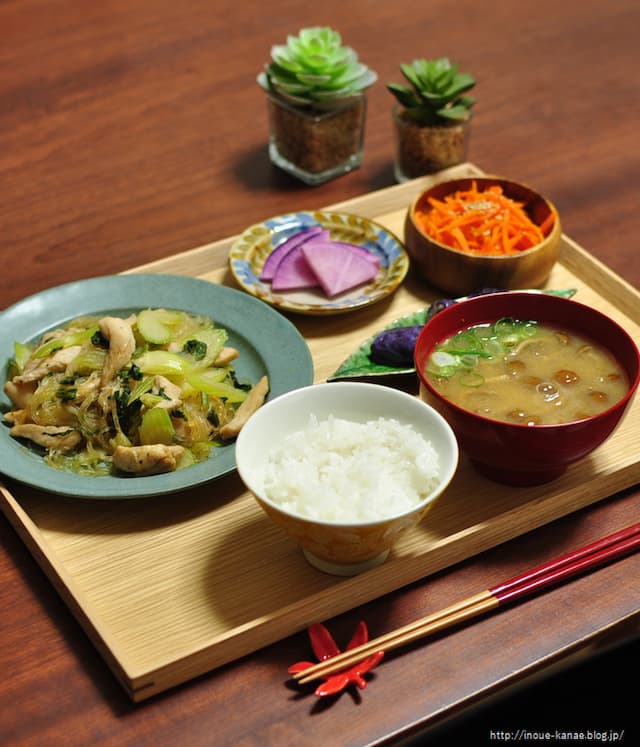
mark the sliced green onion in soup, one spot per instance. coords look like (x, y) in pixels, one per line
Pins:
(510, 332)
(466, 354)
(470, 378)
(442, 364)
(470, 360)
(484, 331)
(467, 341)
(442, 359)
(504, 326)
(493, 348)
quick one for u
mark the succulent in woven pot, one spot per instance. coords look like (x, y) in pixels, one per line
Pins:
(433, 118)
(317, 104)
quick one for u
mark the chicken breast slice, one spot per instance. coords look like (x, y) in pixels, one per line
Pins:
(253, 402)
(121, 345)
(52, 437)
(16, 417)
(170, 390)
(38, 368)
(20, 393)
(147, 460)
(226, 356)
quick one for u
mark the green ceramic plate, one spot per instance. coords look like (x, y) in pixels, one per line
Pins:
(268, 344)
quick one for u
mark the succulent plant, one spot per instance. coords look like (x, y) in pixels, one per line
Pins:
(434, 96)
(315, 70)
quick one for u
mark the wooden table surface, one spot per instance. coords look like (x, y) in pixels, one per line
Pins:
(133, 130)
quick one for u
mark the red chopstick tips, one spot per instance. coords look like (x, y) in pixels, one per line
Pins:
(572, 564)
(325, 648)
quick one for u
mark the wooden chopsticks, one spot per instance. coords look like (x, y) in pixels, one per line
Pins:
(556, 571)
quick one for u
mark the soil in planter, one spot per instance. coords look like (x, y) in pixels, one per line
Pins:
(425, 150)
(317, 144)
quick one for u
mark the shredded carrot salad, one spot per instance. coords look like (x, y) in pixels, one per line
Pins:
(485, 222)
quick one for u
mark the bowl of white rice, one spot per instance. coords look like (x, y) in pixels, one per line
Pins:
(345, 468)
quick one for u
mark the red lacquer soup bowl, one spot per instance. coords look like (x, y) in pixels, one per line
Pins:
(514, 453)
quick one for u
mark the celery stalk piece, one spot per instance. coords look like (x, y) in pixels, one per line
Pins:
(88, 359)
(151, 400)
(212, 384)
(65, 341)
(156, 427)
(163, 363)
(211, 338)
(200, 380)
(201, 450)
(21, 354)
(142, 387)
(158, 325)
(186, 460)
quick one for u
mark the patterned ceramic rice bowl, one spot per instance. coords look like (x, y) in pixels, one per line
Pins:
(346, 525)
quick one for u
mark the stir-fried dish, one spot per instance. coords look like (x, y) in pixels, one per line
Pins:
(143, 395)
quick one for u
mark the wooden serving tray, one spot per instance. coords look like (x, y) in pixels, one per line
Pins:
(169, 588)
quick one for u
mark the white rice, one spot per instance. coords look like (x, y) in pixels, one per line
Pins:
(348, 472)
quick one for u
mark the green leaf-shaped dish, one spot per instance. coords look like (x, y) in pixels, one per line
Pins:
(359, 364)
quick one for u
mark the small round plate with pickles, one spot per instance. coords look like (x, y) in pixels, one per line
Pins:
(251, 249)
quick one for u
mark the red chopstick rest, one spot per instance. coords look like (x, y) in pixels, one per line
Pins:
(325, 648)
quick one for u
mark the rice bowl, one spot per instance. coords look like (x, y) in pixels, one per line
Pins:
(351, 466)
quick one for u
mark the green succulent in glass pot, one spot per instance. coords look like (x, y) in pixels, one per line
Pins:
(317, 104)
(433, 117)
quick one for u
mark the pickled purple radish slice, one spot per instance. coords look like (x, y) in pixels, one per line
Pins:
(294, 272)
(277, 255)
(337, 267)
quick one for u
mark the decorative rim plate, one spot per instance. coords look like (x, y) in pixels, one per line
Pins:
(268, 344)
(250, 250)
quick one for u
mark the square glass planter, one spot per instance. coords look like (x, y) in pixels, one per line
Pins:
(316, 146)
(424, 149)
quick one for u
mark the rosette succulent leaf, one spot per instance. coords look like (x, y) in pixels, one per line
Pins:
(435, 95)
(314, 69)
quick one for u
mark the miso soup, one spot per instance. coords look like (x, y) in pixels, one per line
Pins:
(526, 372)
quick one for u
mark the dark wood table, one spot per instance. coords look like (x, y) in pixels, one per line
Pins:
(132, 130)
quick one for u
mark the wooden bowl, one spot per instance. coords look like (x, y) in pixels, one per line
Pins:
(459, 272)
